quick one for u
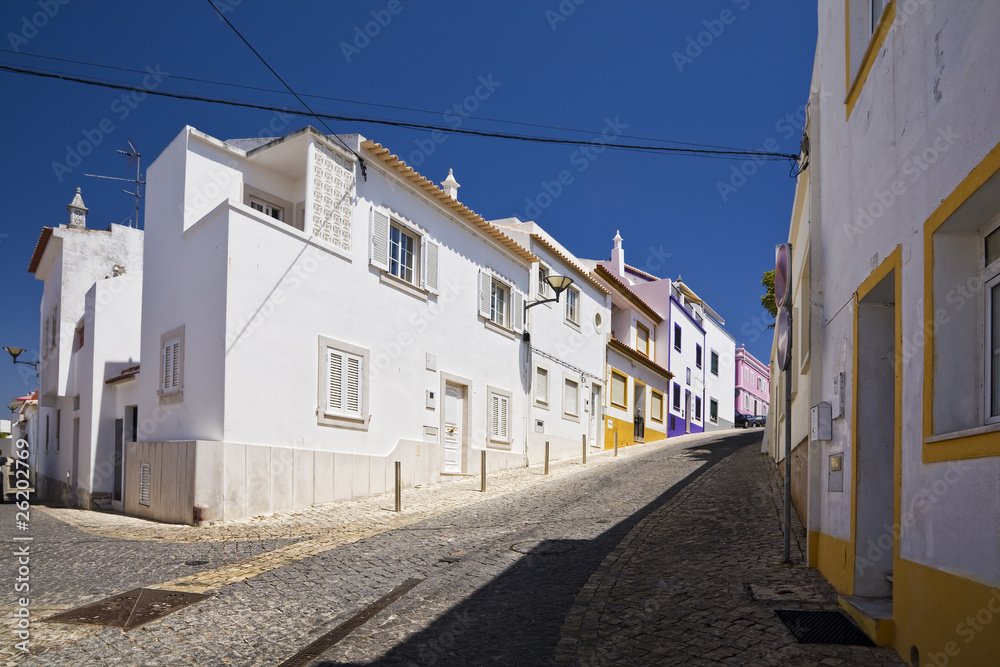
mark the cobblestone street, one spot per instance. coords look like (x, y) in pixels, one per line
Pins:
(647, 558)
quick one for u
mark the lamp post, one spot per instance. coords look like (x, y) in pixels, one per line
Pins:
(15, 352)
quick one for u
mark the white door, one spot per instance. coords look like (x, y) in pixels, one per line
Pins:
(595, 409)
(454, 416)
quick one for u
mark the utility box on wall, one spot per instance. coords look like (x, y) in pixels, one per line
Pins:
(821, 422)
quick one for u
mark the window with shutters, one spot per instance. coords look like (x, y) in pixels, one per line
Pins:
(641, 339)
(714, 362)
(656, 406)
(343, 384)
(498, 415)
(404, 252)
(542, 386)
(619, 390)
(171, 371)
(500, 303)
(571, 399)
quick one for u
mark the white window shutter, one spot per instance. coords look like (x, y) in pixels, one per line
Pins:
(335, 382)
(570, 397)
(352, 388)
(516, 310)
(430, 256)
(495, 416)
(485, 290)
(541, 385)
(380, 240)
(503, 418)
(167, 365)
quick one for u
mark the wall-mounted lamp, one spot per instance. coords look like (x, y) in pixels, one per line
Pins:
(558, 285)
(15, 352)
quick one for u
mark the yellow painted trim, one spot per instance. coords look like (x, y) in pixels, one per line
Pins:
(892, 263)
(834, 558)
(878, 37)
(880, 630)
(626, 433)
(972, 446)
(662, 403)
(933, 610)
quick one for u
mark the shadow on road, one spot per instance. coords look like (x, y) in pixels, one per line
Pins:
(517, 618)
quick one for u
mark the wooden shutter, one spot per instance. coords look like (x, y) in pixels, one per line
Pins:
(541, 385)
(430, 265)
(618, 390)
(335, 382)
(171, 365)
(498, 417)
(485, 289)
(516, 310)
(571, 398)
(656, 406)
(380, 240)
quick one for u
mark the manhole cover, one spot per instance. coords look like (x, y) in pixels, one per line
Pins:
(543, 548)
(129, 610)
(822, 627)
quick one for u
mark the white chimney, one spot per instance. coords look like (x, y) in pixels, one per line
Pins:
(77, 212)
(451, 186)
(618, 256)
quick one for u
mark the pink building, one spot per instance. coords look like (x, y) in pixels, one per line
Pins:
(752, 384)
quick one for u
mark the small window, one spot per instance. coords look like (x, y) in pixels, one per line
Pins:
(571, 398)
(499, 416)
(343, 384)
(715, 362)
(642, 339)
(619, 390)
(498, 303)
(78, 338)
(403, 254)
(541, 385)
(697, 355)
(713, 411)
(573, 305)
(267, 208)
(677, 396)
(677, 337)
(656, 406)
(170, 378)
(544, 289)
(697, 408)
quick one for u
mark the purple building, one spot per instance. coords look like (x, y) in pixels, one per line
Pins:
(752, 384)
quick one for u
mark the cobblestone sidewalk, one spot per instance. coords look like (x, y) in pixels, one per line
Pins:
(679, 589)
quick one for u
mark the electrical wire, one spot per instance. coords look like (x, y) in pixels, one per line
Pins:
(361, 161)
(763, 156)
(359, 103)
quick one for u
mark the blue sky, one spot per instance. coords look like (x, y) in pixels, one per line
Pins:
(731, 73)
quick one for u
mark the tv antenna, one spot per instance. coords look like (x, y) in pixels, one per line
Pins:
(134, 157)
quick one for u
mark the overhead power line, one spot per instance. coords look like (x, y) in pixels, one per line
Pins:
(694, 152)
(328, 98)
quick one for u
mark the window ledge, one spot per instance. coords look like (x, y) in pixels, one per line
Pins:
(499, 444)
(571, 418)
(403, 286)
(572, 324)
(956, 435)
(541, 405)
(490, 324)
(354, 423)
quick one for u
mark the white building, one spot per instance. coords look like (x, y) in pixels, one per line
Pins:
(719, 395)
(567, 348)
(317, 319)
(90, 314)
(896, 233)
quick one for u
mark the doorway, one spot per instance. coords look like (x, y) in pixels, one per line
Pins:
(455, 432)
(638, 418)
(593, 431)
(876, 433)
(687, 410)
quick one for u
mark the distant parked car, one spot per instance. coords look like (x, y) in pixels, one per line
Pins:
(760, 420)
(743, 420)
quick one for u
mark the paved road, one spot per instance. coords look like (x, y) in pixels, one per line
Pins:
(617, 562)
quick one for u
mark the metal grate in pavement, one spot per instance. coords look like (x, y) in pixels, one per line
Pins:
(822, 627)
(129, 610)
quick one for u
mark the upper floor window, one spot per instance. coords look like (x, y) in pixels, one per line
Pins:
(499, 302)
(404, 252)
(619, 390)
(714, 361)
(677, 337)
(267, 208)
(544, 289)
(677, 396)
(170, 379)
(642, 339)
(573, 305)
(991, 276)
(697, 355)
(867, 25)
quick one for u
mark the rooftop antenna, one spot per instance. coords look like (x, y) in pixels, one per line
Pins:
(134, 157)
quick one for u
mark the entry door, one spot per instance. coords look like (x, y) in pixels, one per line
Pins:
(595, 409)
(119, 455)
(687, 411)
(454, 427)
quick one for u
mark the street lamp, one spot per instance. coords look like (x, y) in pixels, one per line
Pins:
(558, 285)
(15, 352)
